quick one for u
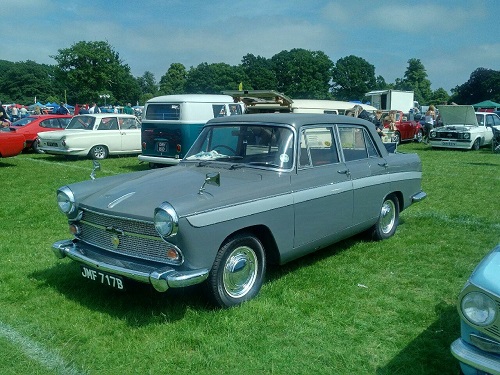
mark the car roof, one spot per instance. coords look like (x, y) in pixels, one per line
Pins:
(295, 120)
(105, 114)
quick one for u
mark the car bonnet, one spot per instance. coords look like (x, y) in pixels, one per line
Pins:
(458, 115)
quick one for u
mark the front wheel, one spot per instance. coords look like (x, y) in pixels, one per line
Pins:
(476, 144)
(388, 219)
(238, 271)
(98, 152)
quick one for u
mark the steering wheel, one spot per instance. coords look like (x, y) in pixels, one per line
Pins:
(226, 147)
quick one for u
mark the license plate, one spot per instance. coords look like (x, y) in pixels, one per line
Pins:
(102, 278)
(447, 143)
(162, 146)
(53, 144)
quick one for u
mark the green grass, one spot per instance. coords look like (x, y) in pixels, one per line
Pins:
(357, 307)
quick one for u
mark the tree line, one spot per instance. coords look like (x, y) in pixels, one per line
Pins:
(88, 70)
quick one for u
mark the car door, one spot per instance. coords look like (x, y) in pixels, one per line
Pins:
(322, 190)
(130, 133)
(107, 133)
(367, 171)
(490, 122)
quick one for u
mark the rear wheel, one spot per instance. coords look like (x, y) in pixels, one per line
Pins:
(419, 137)
(388, 219)
(98, 152)
(36, 147)
(396, 137)
(238, 271)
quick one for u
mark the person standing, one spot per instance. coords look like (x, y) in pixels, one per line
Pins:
(62, 110)
(94, 108)
(4, 117)
(128, 109)
(15, 113)
(430, 117)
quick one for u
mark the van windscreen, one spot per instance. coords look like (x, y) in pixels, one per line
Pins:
(163, 111)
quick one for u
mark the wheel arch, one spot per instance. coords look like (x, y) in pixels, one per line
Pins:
(265, 236)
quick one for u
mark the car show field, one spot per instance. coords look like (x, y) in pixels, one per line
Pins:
(357, 306)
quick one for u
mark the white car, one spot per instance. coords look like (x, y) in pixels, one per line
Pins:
(95, 136)
(463, 128)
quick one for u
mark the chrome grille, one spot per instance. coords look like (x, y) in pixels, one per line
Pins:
(495, 328)
(133, 238)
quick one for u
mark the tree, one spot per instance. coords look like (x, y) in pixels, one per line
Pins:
(483, 84)
(214, 78)
(260, 73)
(88, 69)
(174, 81)
(147, 83)
(303, 74)
(415, 79)
(439, 96)
(21, 82)
(352, 78)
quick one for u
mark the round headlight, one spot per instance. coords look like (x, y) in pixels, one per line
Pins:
(66, 200)
(433, 134)
(466, 135)
(166, 220)
(479, 309)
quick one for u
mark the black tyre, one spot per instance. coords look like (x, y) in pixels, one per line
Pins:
(419, 137)
(388, 219)
(476, 144)
(36, 147)
(238, 271)
(98, 152)
(396, 137)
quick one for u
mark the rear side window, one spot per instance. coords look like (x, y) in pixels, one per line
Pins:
(356, 143)
(163, 111)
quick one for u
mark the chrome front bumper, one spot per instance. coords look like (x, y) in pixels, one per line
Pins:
(419, 197)
(161, 277)
(159, 160)
(471, 356)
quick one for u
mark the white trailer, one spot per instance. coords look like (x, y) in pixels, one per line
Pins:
(392, 99)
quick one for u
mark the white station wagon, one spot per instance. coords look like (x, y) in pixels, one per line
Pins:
(95, 136)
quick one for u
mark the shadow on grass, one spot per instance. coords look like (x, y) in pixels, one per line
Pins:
(139, 305)
(429, 351)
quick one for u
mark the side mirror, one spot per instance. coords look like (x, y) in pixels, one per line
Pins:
(210, 179)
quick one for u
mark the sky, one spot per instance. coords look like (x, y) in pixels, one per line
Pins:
(451, 38)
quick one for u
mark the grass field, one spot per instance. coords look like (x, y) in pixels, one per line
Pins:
(357, 307)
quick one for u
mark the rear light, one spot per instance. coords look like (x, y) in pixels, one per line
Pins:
(143, 145)
(178, 148)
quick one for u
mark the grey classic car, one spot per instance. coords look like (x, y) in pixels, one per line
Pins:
(252, 190)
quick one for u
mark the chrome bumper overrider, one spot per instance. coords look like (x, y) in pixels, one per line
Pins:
(161, 277)
(418, 197)
(474, 357)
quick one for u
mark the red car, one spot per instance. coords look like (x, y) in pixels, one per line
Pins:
(32, 125)
(11, 143)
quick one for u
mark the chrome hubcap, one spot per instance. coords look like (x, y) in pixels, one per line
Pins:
(240, 271)
(387, 216)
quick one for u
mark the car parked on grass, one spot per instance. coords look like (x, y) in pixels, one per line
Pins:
(31, 125)
(252, 190)
(95, 136)
(478, 348)
(463, 128)
(11, 143)
(402, 128)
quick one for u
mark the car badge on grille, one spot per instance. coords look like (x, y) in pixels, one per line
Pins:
(115, 241)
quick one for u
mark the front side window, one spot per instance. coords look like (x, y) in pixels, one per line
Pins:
(81, 123)
(163, 111)
(246, 145)
(317, 147)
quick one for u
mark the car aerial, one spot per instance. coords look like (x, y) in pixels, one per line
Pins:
(478, 348)
(31, 125)
(463, 128)
(95, 136)
(253, 190)
(11, 143)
